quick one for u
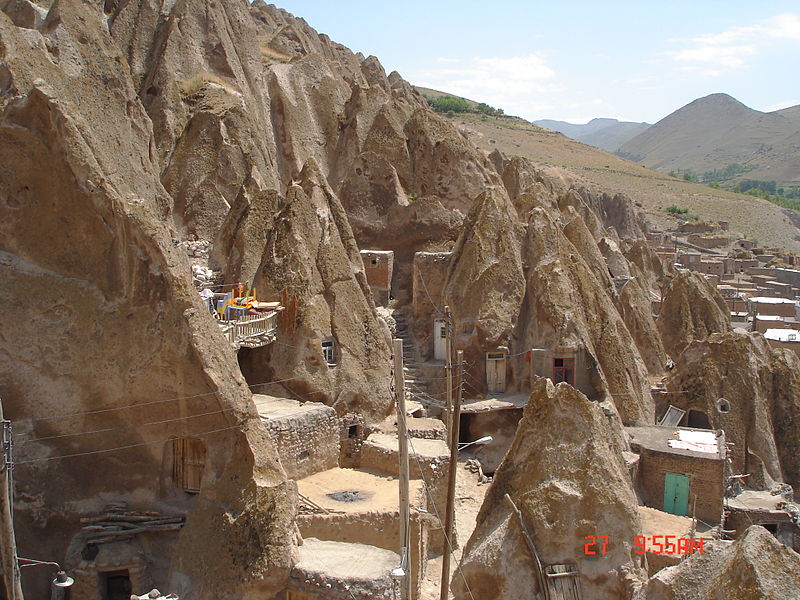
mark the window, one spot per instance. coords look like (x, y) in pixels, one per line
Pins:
(564, 370)
(189, 462)
(329, 351)
(374, 261)
(352, 431)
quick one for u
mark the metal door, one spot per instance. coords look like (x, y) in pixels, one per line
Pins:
(439, 339)
(676, 494)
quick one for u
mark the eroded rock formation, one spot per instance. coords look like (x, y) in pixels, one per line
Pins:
(755, 566)
(691, 309)
(751, 391)
(116, 351)
(565, 492)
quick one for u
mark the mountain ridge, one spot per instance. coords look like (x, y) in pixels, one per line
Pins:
(716, 131)
(601, 132)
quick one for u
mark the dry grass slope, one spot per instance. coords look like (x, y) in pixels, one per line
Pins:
(751, 217)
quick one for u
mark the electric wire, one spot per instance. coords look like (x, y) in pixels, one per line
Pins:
(90, 452)
(436, 512)
(140, 404)
(128, 426)
(425, 287)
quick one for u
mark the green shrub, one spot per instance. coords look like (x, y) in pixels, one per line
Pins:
(674, 210)
(446, 104)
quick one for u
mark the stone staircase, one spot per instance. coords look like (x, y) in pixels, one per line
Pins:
(415, 385)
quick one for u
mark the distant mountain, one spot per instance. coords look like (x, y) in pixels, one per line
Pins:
(717, 131)
(606, 134)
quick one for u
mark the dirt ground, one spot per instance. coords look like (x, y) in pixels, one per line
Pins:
(379, 491)
(469, 497)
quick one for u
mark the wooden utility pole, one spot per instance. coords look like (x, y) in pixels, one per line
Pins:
(8, 544)
(449, 527)
(448, 370)
(402, 438)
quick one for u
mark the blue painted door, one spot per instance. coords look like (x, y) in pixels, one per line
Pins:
(676, 494)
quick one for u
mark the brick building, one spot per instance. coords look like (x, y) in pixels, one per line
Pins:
(378, 265)
(782, 307)
(681, 471)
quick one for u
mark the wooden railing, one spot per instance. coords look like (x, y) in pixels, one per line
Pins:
(251, 331)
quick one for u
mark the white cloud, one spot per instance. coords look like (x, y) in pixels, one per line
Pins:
(517, 84)
(714, 54)
(781, 105)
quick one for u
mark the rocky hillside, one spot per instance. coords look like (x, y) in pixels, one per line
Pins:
(141, 138)
(601, 171)
(718, 130)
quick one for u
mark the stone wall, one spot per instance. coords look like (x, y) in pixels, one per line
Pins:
(307, 442)
(377, 454)
(379, 529)
(708, 241)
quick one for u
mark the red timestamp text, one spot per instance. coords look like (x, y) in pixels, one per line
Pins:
(597, 545)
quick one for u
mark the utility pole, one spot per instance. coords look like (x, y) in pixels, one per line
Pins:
(8, 545)
(402, 438)
(448, 369)
(449, 527)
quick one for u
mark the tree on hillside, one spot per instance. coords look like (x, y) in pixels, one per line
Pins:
(445, 104)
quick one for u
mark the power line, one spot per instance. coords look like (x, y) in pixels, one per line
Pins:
(152, 402)
(65, 435)
(436, 512)
(425, 287)
(35, 460)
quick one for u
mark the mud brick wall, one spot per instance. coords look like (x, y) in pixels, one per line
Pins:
(429, 278)
(352, 433)
(706, 481)
(378, 267)
(307, 442)
(374, 528)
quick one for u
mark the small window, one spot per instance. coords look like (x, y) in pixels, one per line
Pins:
(189, 461)
(352, 431)
(495, 356)
(303, 455)
(564, 370)
(329, 351)
(723, 406)
(374, 261)
(443, 332)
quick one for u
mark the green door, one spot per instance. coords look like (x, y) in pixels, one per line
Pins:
(676, 494)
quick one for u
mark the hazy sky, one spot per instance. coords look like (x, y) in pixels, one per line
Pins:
(574, 60)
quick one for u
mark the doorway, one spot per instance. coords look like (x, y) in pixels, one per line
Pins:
(439, 339)
(115, 585)
(676, 494)
(697, 419)
(496, 372)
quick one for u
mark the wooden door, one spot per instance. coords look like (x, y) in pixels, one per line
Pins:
(496, 372)
(190, 460)
(676, 494)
